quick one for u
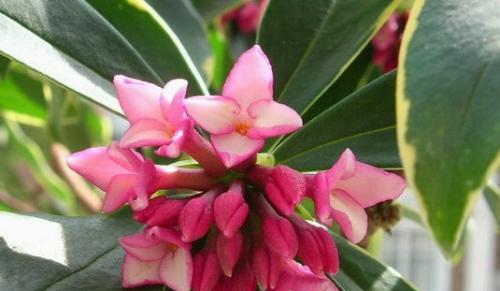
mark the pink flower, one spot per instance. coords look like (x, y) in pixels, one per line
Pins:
(245, 115)
(122, 173)
(157, 256)
(157, 115)
(343, 192)
(387, 41)
(161, 211)
(231, 210)
(284, 186)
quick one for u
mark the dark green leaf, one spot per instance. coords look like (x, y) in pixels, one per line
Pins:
(352, 79)
(223, 58)
(360, 271)
(4, 65)
(447, 109)
(210, 9)
(310, 43)
(71, 43)
(492, 194)
(46, 252)
(190, 28)
(363, 122)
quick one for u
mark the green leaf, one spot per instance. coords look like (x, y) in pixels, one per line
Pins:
(223, 58)
(76, 46)
(492, 195)
(4, 66)
(364, 121)
(210, 9)
(352, 79)
(188, 25)
(360, 271)
(22, 95)
(47, 252)
(447, 109)
(311, 43)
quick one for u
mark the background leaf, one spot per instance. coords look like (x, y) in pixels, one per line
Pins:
(447, 108)
(73, 44)
(492, 195)
(77, 253)
(310, 43)
(210, 9)
(364, 121)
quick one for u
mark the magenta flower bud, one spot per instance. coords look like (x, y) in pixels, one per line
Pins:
(243, 279)
(267, 267)
(207, 270)
(161, 211)
(277, 232)
(231, 210)
(197, 216)
(317, 248)
(228, 251)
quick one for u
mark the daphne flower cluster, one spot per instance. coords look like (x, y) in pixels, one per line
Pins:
(239, 229)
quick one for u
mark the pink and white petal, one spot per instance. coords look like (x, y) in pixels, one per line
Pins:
(143, 248)
(321, 198)
(174, 148)
(139, 273)
(344, 168)
(126, 158)
(172, 101)
(138, 99)
(214, 114)
(176, 270)
(96, 166)
(146, 132)
(145, 186)
(272, 119)
(350, 216)
(234, 148)
(168, 235)
(371, 185)
(250, 79)
(120, 189)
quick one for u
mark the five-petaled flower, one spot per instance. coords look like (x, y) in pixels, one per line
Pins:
(228, 229)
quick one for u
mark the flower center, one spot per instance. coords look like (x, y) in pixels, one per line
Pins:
(242, 128)
(171, 247)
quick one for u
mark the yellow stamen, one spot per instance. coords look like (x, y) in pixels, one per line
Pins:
(242, 128)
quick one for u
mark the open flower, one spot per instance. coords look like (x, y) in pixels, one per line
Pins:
(157, 115)
(245, 115)
(122, 173)
(342, 193)
(157, 256)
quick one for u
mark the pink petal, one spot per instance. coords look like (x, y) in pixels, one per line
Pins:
(350, 216)
(127, 158)
(146, 132)
(174, 148)
(370, 185)
(321, 198)
(138, 99)
(250, 79)
(145, 186)
(267, 267)
(139, 273)
(229, 251)
(234, 148)
(143, 248)
(280, 237)
(300, 278)
(344, 168)
(176, 270)
(172, 101)
(272, 119)
(214, 114)
(120, 189)
(96, 166)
